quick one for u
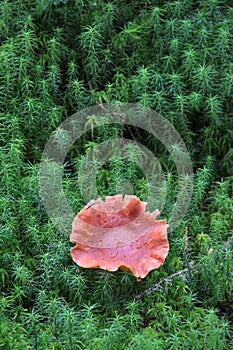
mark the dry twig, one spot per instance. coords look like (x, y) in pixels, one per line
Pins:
(167, 279)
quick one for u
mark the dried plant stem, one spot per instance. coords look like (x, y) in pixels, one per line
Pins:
(165, 280)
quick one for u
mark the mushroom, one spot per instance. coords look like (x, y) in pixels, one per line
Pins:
(119, 233)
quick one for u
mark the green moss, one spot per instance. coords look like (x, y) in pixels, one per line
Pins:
(58, 57)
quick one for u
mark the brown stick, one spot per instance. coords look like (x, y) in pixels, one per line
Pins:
(167, 279)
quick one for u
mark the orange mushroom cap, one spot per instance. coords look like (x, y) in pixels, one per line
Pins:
(119, 233)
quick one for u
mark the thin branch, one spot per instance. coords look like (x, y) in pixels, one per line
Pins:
(167, 279)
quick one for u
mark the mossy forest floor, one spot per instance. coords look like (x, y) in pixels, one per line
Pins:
(59, 57)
